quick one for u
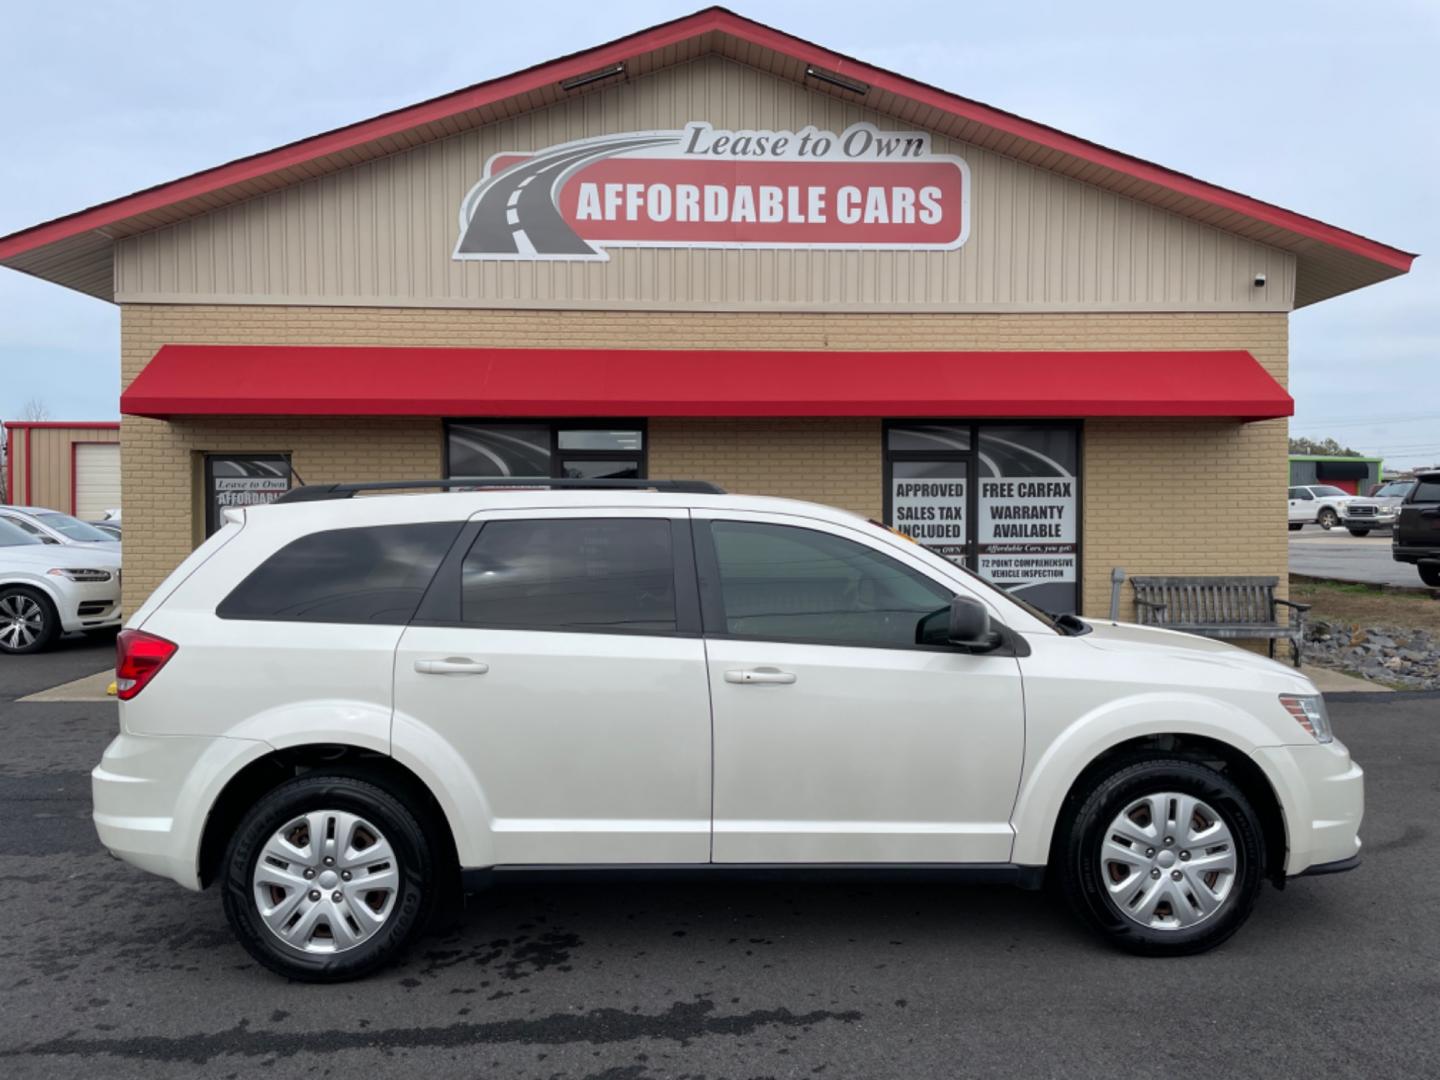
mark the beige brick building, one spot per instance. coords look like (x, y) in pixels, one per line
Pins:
(739, 250)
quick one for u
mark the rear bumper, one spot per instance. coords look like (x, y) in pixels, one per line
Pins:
(152, 794)
(1322, 793)
(1414, 553)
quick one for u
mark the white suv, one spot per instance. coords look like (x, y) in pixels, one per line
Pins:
(335, 704)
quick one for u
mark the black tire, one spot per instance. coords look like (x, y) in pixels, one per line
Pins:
(1083, 831)
(1359, 532)
(1296, 526)
(413, 902)
(1327, 518)
(1430, 574)
(11, 597)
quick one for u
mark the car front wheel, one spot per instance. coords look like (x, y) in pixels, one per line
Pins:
(1430, 574)
(1163, 857)
(1328, 518)
(28, 621)
(327, 878)
(1359, 532)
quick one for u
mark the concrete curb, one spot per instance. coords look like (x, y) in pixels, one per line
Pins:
(90, 688)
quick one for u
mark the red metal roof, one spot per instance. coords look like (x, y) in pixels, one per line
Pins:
(336, 149)
(257, 380)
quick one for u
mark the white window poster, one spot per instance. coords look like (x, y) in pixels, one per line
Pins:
(1028, 530)
(927, 504)
(240, 480)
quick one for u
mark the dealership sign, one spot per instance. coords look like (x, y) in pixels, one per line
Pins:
(701, 187)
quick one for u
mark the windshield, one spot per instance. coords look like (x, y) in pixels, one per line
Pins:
(74, 528)
(14, 536)
(1327, 491)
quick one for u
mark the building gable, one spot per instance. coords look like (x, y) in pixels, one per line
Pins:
(385, 231)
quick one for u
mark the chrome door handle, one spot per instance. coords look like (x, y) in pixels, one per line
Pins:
(452, 665)
(760, 675)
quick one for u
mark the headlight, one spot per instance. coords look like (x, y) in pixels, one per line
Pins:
(1309, 712)
(72, 574)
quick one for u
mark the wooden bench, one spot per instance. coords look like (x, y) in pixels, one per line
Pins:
(1221, 607)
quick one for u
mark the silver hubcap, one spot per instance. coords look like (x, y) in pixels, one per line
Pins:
(21, 621)
(326, 881)
(1169, 861)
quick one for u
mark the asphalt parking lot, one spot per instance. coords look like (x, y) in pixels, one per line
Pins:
(107, 971)
(1341, 557)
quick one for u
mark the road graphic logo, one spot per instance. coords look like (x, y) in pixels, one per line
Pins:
(699, 187)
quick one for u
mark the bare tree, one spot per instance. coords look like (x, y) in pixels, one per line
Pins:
(35, 409)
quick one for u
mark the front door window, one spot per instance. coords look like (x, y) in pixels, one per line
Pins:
(787, 583)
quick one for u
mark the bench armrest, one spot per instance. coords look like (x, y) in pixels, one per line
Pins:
(1292, 604)
(1159, 606)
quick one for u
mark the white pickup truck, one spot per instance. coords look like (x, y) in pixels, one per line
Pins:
(1317, 504)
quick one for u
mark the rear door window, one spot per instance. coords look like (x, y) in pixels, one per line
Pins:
(367, 575)
(1427, 491)
(612, 575)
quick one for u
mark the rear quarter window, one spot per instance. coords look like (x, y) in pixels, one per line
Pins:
(375, 574)
(1427, 491)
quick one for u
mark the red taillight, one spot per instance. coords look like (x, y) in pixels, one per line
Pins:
(138, 656)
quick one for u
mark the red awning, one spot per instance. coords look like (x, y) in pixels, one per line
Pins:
(259, 380)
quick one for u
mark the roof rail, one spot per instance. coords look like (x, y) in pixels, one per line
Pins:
(320, 492)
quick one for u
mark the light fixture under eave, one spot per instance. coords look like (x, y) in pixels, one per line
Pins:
(836, 80)
(592, 76)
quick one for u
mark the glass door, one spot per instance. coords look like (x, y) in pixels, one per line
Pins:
(1001, 499)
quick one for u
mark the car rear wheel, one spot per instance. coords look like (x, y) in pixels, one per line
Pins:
(28, 621)
(1163, 857)
(1328, 518)
(1359, 532)
(327, 878)
(1430, 573)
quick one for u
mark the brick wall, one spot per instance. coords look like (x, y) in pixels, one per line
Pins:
(1179, 496)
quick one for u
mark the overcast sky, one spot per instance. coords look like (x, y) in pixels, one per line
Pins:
(1326, 108)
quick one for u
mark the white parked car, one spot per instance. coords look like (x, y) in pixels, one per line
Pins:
(1378, 511)
(335, 703)
(53, 527)
(1317, 504)
(50, 588)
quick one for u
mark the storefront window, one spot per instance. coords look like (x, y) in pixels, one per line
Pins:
(242, 480)
(1001, 499)
(554, 449)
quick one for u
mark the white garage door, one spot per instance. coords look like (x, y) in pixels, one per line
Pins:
(97, 479)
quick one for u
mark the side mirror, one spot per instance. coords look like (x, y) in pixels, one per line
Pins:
(965, 624)
(969, 625)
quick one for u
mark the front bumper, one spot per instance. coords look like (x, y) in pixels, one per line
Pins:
(1322, 793)
(152, 794)
(1380, 521)
(89, 605)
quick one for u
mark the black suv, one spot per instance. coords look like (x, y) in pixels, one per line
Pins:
(1416, 538)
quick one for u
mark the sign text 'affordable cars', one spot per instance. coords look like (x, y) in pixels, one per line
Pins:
(703, 187)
